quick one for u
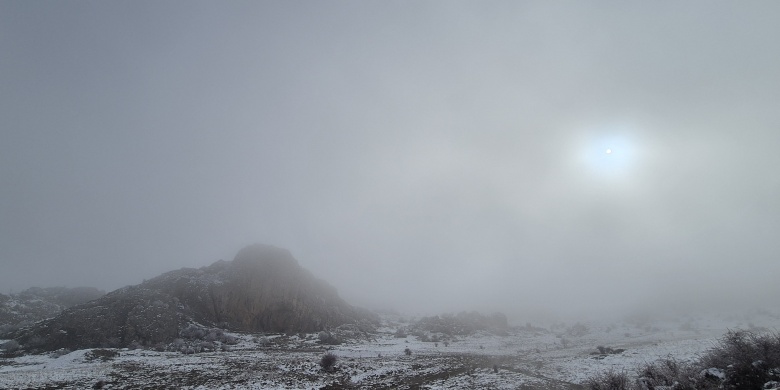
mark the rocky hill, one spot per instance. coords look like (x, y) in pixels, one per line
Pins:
(35, 304)
(263, 289)
(461, 324)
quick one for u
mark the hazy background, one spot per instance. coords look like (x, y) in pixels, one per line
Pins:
(426, 156)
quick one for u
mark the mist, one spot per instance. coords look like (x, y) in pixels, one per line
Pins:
(425, 157)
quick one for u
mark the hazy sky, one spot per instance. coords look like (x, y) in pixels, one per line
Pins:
(419, 155)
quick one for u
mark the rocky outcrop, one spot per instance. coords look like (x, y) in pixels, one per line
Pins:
(115, 320)
(464, 323)
(263, 289)
(35, 304)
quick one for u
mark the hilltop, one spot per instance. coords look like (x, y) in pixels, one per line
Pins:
(263, 289)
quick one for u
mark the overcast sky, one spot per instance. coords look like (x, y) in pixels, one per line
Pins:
(428, 156)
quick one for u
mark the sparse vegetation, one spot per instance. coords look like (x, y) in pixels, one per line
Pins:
(748, 359)
(680, 375)
(461, 324)
(741, 360)
(610, 380)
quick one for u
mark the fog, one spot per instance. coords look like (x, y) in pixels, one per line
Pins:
(421, 156)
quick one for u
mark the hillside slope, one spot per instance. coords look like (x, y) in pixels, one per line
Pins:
(263, 289)
(35, 304)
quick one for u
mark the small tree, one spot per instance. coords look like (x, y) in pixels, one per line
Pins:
(407, 351)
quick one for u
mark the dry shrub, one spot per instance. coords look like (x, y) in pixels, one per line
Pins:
(610, 380)
(328, 361)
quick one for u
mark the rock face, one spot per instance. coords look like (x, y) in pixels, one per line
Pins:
(116, 319)
(262, 290)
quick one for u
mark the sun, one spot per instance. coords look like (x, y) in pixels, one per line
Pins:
(607, 154)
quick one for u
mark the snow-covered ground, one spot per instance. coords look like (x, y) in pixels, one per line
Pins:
(557, 357)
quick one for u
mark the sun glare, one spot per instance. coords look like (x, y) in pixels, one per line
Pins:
(607, 156)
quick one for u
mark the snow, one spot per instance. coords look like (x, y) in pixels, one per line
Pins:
(537, 357)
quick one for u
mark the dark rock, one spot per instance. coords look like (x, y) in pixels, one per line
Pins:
(36, 304)
(262, 290)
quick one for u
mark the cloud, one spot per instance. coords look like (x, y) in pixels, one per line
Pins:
(428, 156)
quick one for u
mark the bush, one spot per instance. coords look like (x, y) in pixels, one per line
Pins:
(328, 338)
(193, 331)
(610, 380)
(328, 361)
(741, 360)
(670, 372)
(207, 346)
(748, 359)
(228, 339)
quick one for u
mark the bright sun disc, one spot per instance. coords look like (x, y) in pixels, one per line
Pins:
(608, 155)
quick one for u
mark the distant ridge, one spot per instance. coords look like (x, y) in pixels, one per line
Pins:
(263, 289)
(35, 304)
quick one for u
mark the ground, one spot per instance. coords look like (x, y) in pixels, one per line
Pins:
(529, 357)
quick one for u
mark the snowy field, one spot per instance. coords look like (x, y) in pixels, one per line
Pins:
(529, 357)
